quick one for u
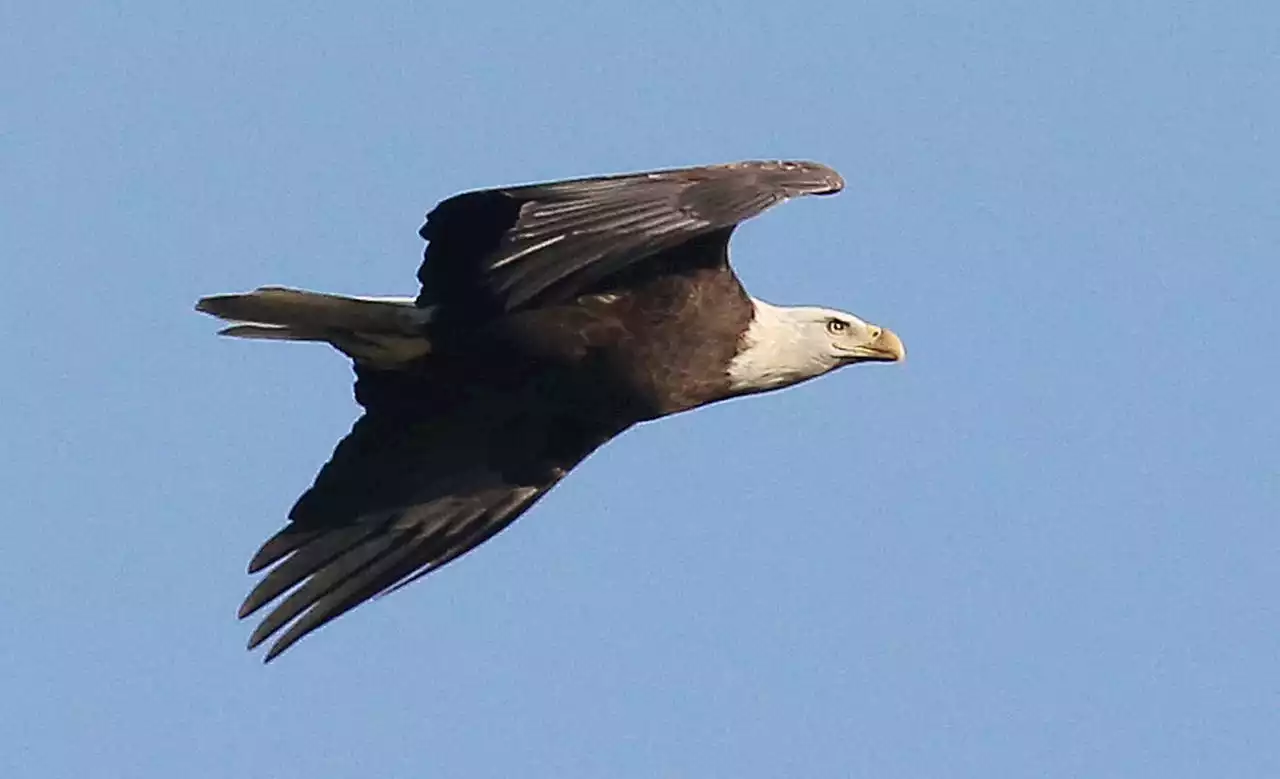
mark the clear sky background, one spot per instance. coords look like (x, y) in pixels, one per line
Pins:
(1046, 545)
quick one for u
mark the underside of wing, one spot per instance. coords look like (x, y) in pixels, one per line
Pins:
(496, 250)
(402, 496)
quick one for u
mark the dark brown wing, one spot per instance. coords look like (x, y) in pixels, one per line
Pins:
(406, 492)
(496, 250)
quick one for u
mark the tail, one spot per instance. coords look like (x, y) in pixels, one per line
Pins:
(377, 331)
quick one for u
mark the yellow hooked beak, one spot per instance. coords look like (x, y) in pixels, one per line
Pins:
(884, 346)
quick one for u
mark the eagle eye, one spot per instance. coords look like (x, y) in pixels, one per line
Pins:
(836, 326)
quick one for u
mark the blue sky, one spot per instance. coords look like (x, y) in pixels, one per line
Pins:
(1047, 545)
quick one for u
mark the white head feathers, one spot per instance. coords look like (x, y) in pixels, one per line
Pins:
(785, 345)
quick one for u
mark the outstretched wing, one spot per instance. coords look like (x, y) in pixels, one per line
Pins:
(406, 492)
(496, 250)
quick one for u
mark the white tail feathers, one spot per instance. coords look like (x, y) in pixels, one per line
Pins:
(378, 331)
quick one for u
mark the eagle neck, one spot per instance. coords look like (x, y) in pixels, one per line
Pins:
(779, 348)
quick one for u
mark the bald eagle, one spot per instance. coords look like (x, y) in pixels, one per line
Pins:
(551, 317)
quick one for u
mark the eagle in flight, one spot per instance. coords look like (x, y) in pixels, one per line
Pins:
(551, 317)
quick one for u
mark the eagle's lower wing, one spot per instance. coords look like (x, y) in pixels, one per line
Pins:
(498, 249)
(401, 497)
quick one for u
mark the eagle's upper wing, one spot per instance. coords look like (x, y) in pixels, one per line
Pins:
(407, 491)
(495, 250)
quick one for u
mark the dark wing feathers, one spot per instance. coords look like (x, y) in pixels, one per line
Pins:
(498, 249)
(336, 569)
(403, 496)
(318, 550)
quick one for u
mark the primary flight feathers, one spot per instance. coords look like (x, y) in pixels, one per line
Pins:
(551, 317)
